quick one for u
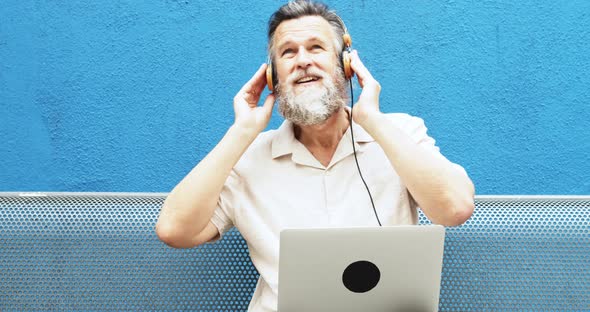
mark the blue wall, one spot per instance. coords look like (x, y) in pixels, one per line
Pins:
(129, 96)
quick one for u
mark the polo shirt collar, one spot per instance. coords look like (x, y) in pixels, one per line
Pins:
(284, 142)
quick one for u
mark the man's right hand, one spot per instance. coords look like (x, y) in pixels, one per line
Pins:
(248, 115)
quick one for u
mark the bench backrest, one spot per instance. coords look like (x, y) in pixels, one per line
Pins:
(100, 252)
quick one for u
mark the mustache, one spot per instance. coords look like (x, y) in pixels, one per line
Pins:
(304, 73)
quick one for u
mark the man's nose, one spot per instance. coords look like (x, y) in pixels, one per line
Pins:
(304, 59)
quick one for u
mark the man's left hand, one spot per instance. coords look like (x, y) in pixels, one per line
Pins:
(368, 101)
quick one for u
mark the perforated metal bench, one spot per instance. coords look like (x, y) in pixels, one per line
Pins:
(99, 252)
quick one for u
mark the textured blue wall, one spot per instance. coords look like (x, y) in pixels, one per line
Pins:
(129, 96)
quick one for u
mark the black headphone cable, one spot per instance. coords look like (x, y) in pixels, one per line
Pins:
(354, 152)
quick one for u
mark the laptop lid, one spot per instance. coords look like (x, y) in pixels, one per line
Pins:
(393, 268)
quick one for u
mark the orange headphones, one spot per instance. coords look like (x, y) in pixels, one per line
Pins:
(345, 59)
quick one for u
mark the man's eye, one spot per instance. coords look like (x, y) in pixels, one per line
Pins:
(287, 52)
(317, 47)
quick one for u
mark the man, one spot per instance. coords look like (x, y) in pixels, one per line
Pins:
(304, 173)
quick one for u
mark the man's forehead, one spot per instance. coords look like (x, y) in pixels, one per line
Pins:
(304, 28)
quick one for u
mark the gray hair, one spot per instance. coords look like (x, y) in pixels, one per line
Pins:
(300, 8)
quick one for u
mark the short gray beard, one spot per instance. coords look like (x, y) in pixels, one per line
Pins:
(312, 107)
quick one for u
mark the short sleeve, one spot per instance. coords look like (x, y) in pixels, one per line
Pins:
(223, 216)
(420, 134)
(417, 130)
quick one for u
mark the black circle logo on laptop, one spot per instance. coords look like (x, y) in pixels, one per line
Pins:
(361, 276)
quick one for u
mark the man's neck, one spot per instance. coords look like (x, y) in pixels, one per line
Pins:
(322, 140)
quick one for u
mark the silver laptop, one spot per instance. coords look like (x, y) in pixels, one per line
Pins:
(394, 268)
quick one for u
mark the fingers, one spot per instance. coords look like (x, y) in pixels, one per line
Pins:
(256, 84)
(363, 74)
(269, 102)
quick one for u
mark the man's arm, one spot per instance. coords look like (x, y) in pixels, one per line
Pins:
(442, 190)
(185, 216)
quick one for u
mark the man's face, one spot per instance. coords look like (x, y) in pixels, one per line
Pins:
(311, 85)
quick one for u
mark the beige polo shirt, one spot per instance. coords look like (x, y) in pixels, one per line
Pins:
(278, 184)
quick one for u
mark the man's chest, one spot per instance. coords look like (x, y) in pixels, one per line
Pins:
(296, 196)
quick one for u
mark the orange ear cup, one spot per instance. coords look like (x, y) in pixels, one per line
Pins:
(347, 40)
(346, 64)
(348, 73)
(269, 83)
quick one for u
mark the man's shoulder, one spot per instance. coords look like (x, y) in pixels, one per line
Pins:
(404, 119)
(261, 148)
(400, 116)
(264, 139)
